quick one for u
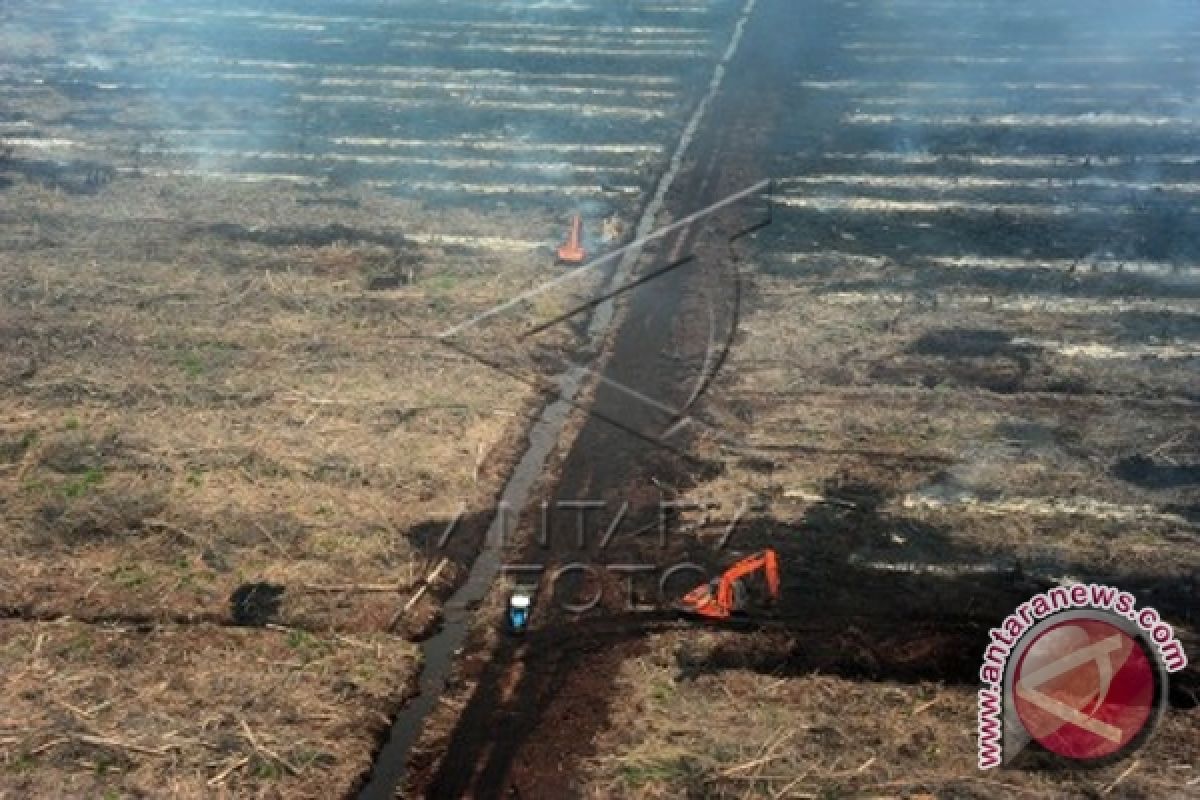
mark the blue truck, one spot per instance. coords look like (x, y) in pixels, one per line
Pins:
(520, 607)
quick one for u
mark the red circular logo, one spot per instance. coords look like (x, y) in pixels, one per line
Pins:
(1084, 688)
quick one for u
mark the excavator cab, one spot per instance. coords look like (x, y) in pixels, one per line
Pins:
(729, 595)
(741, 595)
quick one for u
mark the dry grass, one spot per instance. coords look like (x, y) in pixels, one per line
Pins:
(211, 414)
(195, 711)
(742, 733)
(193, 406)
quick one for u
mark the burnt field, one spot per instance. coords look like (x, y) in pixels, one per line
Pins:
(965, 370)
(560, 103)
(962, 365)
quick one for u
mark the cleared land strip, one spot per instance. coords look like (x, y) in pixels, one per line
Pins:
(979, 45)
(1101, 351)
(1157, 106)
(1014, 302)
(1100, 265)
(419, 35)
(892, 88)
(1163, 62)
(949, 183)
(515, 188)
(877, 205)
(37, 82)
(549, 107)
(1083, 264)
(1064, 121)
(388, 159)
(514, 31)
(456, 187)
(502, 144)
(429, 74)
(1017, 161)
(1051, 506)
(468, 142)
(469, 23)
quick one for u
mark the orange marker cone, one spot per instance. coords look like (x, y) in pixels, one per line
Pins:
(572, 252)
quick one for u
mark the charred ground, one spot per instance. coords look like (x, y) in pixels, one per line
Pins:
(967, 374)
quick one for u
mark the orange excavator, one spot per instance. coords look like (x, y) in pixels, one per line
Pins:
(572, 252)
(730, 594)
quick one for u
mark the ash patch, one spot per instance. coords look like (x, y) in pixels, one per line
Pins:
(100, 514)
(1145, 472)
(255, 604)
(1027, 434)
(971, 343)
(946, 488)
(985, 468)
(16, 369)
(323, 236)
(72, 177)
(1044, 442)
(77, 452)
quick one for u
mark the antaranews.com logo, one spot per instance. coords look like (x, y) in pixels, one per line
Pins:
(1081, 671)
